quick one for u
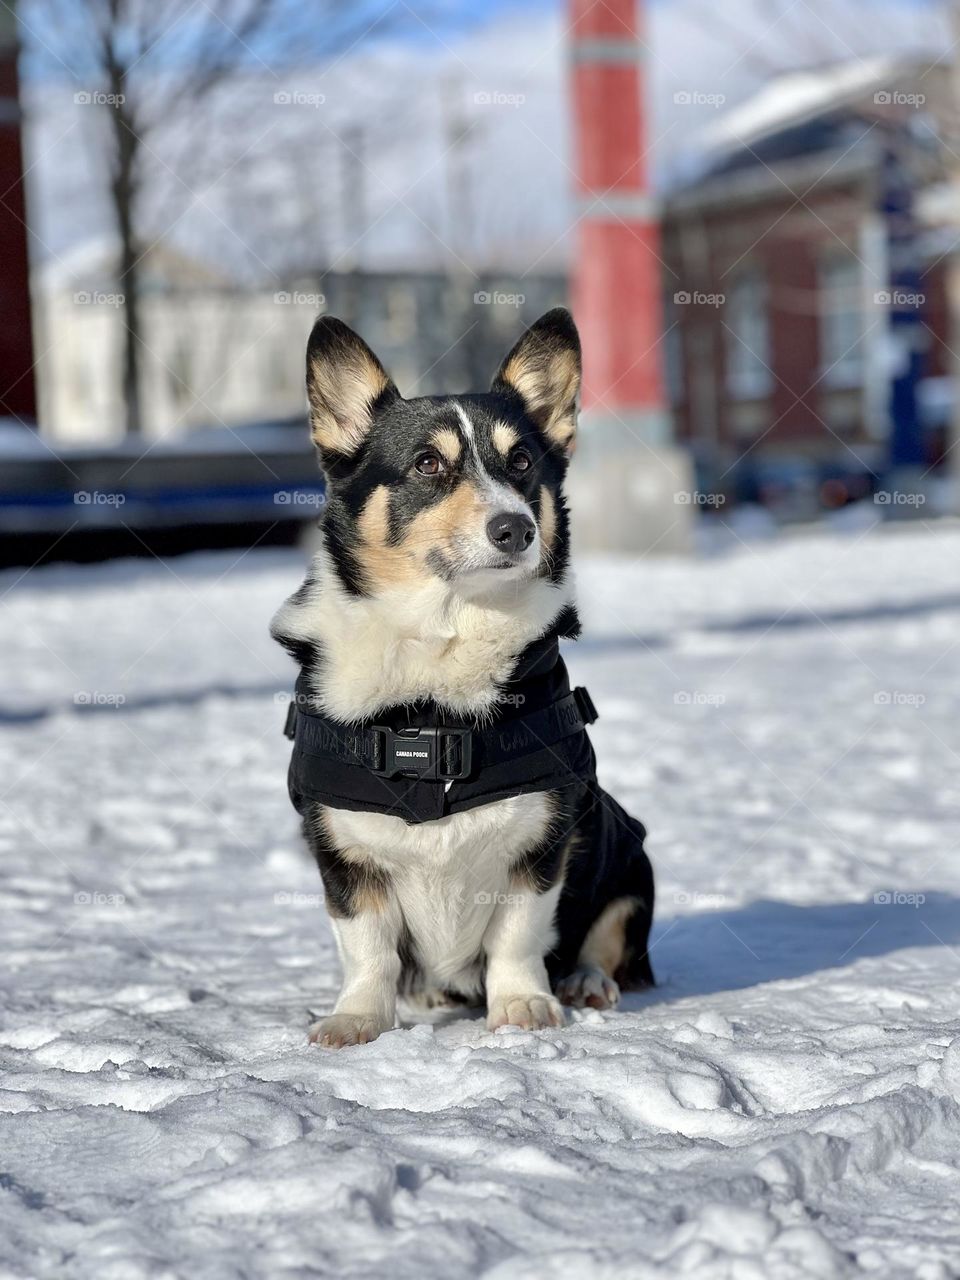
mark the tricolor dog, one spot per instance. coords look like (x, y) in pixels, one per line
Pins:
(441, 762)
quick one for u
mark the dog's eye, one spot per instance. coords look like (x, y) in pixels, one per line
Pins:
(520, 460)
(430, 464)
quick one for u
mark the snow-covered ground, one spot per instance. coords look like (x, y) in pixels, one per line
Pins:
(785, 1104)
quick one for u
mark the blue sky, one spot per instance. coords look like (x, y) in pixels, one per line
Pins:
(48, 44)
(358, 24)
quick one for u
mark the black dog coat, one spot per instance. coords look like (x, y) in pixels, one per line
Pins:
(420, 762)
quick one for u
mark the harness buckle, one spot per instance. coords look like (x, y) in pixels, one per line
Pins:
(437, 754)
(290, 726)
(585, 705)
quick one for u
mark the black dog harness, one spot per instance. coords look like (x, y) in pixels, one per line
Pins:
(421, 762)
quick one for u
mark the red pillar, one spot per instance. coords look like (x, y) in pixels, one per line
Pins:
(617, 283)
(17, 387)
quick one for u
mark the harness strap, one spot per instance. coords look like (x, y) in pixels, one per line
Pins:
(440, 753)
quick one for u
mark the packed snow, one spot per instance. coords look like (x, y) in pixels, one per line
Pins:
(786, 1103)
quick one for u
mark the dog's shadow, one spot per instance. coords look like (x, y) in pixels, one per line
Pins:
(768, 941)
(707, 952)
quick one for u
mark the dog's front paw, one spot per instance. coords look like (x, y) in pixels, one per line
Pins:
(588, 988)
(531, 1012)
(345, 1028)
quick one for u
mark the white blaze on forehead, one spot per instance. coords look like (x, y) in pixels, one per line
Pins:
(467, 430)
(498, 496)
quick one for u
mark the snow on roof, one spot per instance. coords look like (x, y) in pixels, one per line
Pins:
(802, 95)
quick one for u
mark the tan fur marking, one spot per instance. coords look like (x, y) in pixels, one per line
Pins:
(369, 890)
(382, 564)
(371, 883)
(448, 443)
(548, 521)
(439, 525)
(433, 530)
(604, 946)
(505, 438)
(370, 893)
(562, 431)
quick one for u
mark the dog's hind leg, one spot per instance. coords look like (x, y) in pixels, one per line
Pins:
(613, 957)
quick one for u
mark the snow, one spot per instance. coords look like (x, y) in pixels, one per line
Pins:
(785, 1104)
(799, 95)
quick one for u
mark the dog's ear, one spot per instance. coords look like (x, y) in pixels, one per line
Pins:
(543, 369)
(346, 383)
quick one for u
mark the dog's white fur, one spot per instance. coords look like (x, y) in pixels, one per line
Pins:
(451, 887)
(434, 641)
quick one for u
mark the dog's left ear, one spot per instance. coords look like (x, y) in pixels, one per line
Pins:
(543, 369)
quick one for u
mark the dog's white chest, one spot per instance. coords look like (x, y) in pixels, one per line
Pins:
(448, 875)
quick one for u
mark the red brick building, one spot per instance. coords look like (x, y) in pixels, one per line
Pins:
(794, 286)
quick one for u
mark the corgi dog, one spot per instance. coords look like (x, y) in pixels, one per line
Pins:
(442, 769)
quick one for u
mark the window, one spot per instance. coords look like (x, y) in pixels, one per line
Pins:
(673, 364)
(841, 321)
(748, 338)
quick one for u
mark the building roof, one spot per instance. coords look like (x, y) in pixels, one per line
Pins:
(799, 97)
(818, 128)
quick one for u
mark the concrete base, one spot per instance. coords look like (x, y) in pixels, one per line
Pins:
(629, 489)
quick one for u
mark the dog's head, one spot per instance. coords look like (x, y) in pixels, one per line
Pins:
(466, 489)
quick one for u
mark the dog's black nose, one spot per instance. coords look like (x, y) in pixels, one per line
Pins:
(511, 532)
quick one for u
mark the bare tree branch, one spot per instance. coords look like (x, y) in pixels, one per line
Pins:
(163, 69)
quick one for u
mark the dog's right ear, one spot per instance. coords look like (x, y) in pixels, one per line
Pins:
(346, 384)
(543, 369)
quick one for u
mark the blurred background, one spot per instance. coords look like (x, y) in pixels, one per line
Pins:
(753, 209)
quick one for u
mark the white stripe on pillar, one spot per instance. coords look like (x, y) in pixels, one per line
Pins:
(617, 49)
(617, 204)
